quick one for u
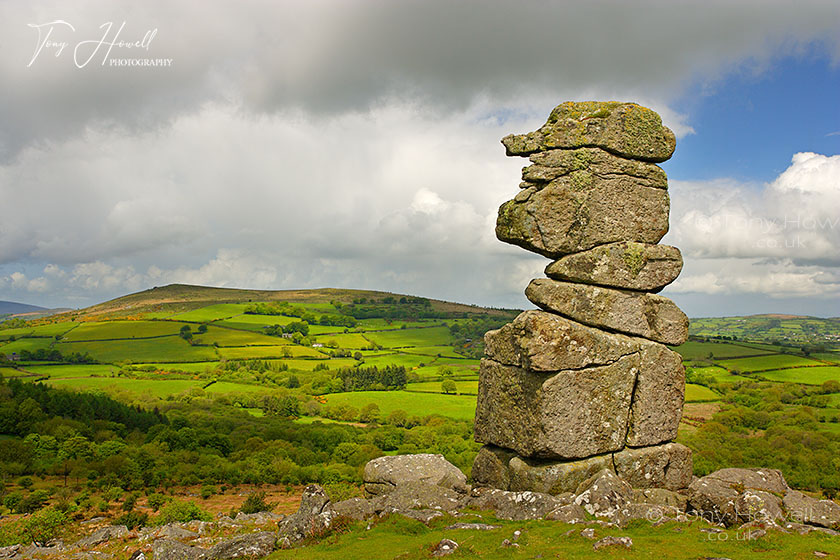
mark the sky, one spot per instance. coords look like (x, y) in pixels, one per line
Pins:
(355, 144)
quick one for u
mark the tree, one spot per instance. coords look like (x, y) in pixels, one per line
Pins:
(186, 332)
(448, 386)
(202, 329)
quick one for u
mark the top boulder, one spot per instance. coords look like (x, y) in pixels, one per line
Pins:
(625, 129)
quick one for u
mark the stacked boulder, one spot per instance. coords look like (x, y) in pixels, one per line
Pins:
(587, 382)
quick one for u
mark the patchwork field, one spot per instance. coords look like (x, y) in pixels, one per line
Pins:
(414, 404)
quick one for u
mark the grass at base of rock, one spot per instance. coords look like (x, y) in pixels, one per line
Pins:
(397, 537)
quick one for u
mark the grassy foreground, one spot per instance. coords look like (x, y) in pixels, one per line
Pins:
(396, 537)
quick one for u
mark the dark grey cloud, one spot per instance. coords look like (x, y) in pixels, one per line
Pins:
(320, 143)
(332, 57)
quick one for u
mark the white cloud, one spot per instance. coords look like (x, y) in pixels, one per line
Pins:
(778, 239)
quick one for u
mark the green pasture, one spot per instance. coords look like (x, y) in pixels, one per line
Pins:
(264, 352)
(53, 329)
(718, 373)
(774, 361)
(434, 351)
(233, 337)
(186, 367)
(408, 361)
(153, 387)
(315, 330)
(833, 357)
(211, 313)
(809, 376)
(700, 350)
(229, 387)
(8, 372)
(404, 338)
(114, 330)
(699, 393)
(432, 372)
(461, 387)
(352, 341)
(461, 407)
(834, 400)
(164, 349)
(30, 344)
(74, 370)
(255, 322)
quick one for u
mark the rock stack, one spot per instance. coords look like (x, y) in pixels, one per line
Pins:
(587, 383)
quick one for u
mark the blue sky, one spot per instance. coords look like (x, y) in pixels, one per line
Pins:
(749, 122)
(260, 157)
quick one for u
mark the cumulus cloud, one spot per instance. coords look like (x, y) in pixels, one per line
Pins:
(778, 239)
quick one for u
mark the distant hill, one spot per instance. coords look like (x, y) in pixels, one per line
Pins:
(12, 308)
(184, 297)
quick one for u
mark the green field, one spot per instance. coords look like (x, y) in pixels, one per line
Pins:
(74, 370)
(404, 338)
(693, 350)
(152, 387)
(774, 361)
(807, 376)
(113, 330)
(188, 367)
(164, 349)
(263, 352)
(434, 351)
(699, 393)
(255, 322)
(29, 344)
(719, 374)
(228, 387)
(461, 407)
(211, 313)
(461, 387)
(231, 337)
(353, 341)
(407, 360)
(11, 372)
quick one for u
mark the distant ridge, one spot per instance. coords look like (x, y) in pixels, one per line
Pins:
(185, 297)
(12, 308)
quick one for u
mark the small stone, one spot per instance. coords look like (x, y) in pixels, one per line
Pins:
(474, 527)
(628, 265)
(588, 533)
(626, 542)
(647, 315)
(444, 547)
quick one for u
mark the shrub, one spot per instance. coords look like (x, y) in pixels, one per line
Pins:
(339, 491)
(39, 528)
(256, 503)
(156, 500)
(207, 490)
(181, 512)
(32, 502)
(132, 519)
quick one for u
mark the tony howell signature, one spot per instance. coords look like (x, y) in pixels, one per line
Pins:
(84, 51)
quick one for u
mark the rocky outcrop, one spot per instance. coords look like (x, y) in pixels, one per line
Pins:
(314, 517)
(749, 496)
(384, 474)
(587, 383)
